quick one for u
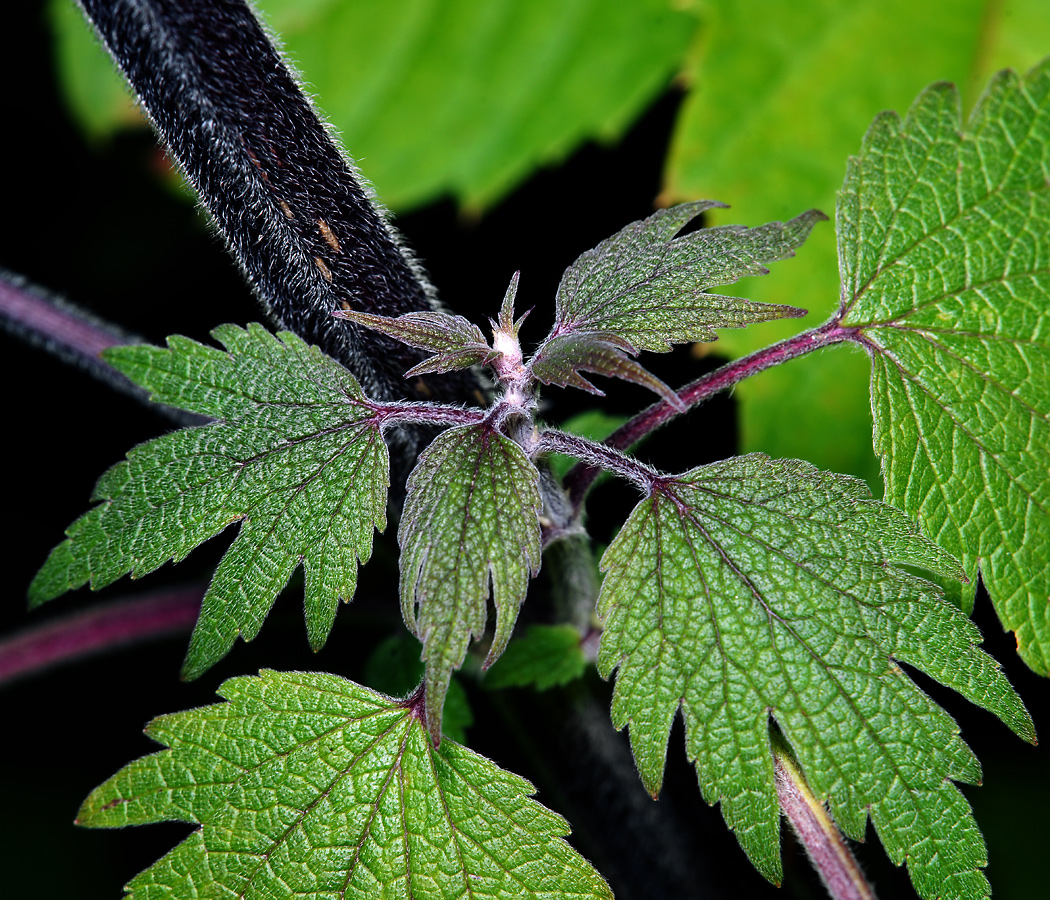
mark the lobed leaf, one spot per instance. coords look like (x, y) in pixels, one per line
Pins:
(754, 589)
(650, 287)
(944, 247)
(455, 342)
(309, 785)
(294, 455)
(644, 288)
(471, 520)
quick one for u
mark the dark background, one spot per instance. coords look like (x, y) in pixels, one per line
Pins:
(103, 226)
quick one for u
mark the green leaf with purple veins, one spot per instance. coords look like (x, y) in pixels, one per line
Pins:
(944, 247)
(294, 454)
(754, 589)
(470, 527)
(308, 785)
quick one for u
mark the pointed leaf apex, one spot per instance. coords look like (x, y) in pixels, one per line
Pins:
(506, 312)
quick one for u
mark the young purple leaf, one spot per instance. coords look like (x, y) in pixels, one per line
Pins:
(646, 289)
(562, 360)
(471, 520)
(651, 288)
(456, 342)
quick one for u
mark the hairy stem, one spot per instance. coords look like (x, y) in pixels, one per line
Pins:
(101, 628)
(599, 456)
(409, 413)
(582, 476)
(817, 832)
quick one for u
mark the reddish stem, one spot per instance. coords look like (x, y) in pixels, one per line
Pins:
(73, 335)
(580, 478)
(818, 833)
(101, 628)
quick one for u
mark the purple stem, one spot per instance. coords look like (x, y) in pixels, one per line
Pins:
(580, 478)
(103, 627)
(73, 335)
(818, 833)
(60, 327)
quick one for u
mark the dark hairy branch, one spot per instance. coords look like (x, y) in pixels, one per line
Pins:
(284, 196)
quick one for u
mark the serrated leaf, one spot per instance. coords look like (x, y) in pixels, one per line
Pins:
(944, 237)
(309, 785)
(563, 358)
(754, 589)
(455, 342)
(646, 288)
(545, 656)
(471, 520)
(295, 455)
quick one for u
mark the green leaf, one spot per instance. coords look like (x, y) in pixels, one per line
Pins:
(646, 288)
(498, 89)
(309, 785)
(456, 342)
(944, 236)
(471, 520)
(295, 455)
(754, 589)
(546, 656)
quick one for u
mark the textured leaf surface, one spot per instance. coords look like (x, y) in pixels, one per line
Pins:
(650, 287)
(295, 455)
(645, 288)
(455, 342)
(754, 589)
(471, 520)
(544, 657)
(460, 97)
(779, 101)
(945, 257)
(307, 785)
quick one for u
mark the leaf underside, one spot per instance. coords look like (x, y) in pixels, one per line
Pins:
(944, 245)
(308, 785)
(754, 589)
(295, 456)
(471, 520)
(645, 288)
